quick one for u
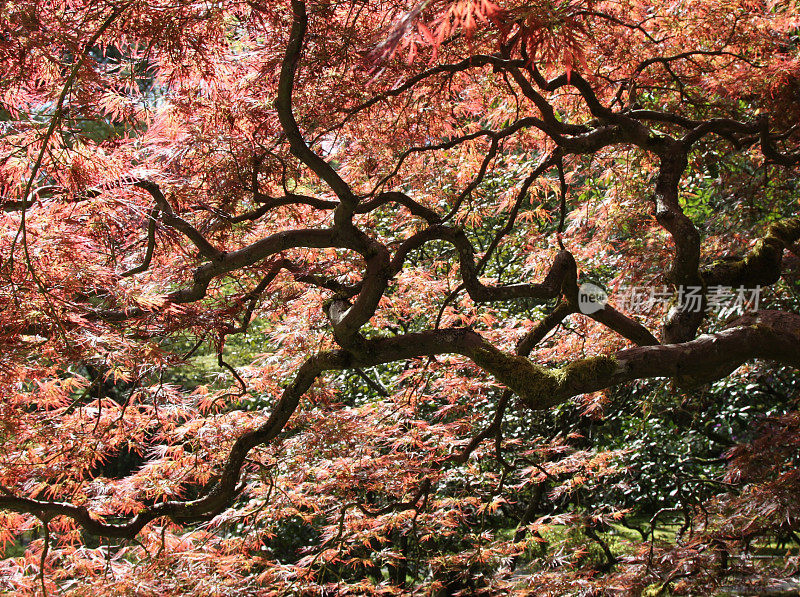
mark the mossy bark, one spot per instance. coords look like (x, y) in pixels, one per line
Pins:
(759, 266)
(540, 387)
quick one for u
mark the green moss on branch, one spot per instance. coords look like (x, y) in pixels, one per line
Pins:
(762, 264)
(540, 387)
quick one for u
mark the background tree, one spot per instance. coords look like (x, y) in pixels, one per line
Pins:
(290, 296)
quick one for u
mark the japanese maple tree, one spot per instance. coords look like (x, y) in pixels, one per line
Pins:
(291, 291)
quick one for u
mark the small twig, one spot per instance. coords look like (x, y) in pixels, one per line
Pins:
(45, 550)
(372, 383)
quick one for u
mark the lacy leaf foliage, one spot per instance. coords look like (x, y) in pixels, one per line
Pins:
(289, 290)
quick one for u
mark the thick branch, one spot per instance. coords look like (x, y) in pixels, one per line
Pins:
(761, 266)
(551, 287)
(769, 335)
(683, 321)
(283, 103)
